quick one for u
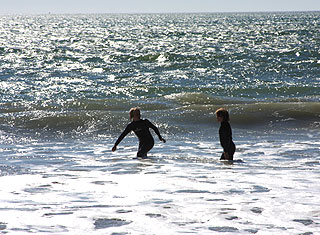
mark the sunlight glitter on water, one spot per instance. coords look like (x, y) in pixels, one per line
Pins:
(68, 81)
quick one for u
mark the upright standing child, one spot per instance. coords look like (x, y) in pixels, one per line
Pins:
(141, 128)
(225, 135)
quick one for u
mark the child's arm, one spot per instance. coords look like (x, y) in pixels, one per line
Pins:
(156, 130)
(123, 134)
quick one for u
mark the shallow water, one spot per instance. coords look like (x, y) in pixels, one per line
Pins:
(81, 187)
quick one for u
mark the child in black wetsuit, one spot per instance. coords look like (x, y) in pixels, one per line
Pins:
(225, 134)
(141, 128)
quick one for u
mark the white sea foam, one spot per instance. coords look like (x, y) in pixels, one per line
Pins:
(81, 188)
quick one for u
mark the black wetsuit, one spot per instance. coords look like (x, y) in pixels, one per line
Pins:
(141, 129)
(225, 134)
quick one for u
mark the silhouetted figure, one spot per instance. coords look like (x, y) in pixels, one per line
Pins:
(141, 128)
(225, 135)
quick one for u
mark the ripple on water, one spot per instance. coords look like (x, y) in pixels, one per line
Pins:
(234, 191)
(216, 200)
(305, 222)
(225, 211)
(232, 218)
(104, 182)
(161, 201)
(257, 210)
(3, 226)
(151, 215)
(223, 229)
(58, 213)
(108, 223)
(253, 231)
(40, 189)
(259, 189)
(123, 211)
(192, 191)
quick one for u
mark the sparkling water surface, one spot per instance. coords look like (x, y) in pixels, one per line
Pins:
(68, 81)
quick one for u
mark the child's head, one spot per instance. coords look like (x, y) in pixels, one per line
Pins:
(134, 113)
(222, 115)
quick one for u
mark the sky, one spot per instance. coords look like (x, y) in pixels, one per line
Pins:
(153, 6)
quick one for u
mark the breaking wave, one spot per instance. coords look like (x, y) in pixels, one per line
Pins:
(170, 112)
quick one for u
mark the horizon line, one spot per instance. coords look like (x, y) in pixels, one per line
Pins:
(146, 13)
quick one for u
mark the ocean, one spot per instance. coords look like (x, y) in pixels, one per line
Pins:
(67, 83)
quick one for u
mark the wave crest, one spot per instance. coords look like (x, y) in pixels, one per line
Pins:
(172, 112)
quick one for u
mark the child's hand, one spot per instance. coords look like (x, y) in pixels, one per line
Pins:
(114, 148)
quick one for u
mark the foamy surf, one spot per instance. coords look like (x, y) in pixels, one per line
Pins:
(181, 188)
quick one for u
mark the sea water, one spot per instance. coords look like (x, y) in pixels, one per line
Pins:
(68, 81)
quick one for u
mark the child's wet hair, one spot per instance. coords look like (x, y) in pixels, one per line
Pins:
(134, 112)
(223, 113)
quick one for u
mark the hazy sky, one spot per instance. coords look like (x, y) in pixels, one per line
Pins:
(150, 6)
